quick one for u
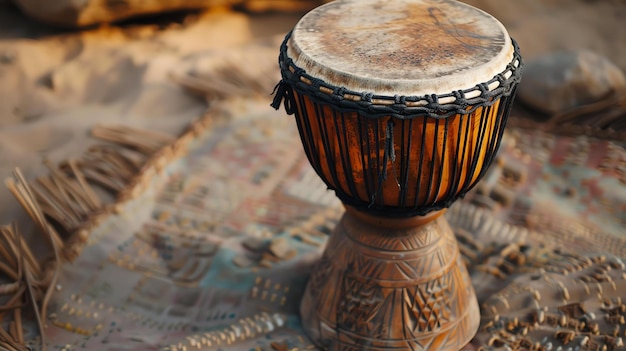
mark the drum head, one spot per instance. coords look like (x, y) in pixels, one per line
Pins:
(401, 47)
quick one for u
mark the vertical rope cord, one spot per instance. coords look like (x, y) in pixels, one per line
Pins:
(365, 165)
(365, 171)
(346, 162)
(443, 161)
(388, 154)
(405, 166)
(420, 164)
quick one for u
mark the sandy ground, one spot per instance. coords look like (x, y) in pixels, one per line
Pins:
(55, 85)
(544, 26)
(54, 88)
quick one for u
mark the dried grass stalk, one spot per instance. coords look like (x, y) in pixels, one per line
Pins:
(227, 80)
(146, 142)
(67, 196)
(30, 281)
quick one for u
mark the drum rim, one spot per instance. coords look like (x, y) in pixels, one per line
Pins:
(371, 105)
(312, 45)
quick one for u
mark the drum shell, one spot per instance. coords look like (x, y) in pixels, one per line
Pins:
(401, 166)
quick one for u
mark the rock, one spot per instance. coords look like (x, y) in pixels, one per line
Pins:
(242, 261)
(254, 244)
(280, 248)
(81, 13)
(561, 81)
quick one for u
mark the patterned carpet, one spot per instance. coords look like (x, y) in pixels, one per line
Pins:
(215, 253)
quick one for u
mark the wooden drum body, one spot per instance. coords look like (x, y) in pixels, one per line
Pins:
(401, 106)
(399, 167)
(399, 288)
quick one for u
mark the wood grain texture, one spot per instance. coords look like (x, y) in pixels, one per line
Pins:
(432, 159)
(390, 289)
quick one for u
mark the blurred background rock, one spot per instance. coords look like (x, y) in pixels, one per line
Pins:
(83, 13)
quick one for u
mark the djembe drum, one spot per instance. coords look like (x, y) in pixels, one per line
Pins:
(401, 106)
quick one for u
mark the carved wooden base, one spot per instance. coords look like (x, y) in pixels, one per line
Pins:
(390, 284)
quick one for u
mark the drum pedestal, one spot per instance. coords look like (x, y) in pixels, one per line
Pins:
(390, 284)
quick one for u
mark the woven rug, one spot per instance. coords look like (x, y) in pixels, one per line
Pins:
(209, 237)
(214, 252)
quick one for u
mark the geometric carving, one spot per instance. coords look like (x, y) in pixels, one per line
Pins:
(428, 306)
(360, 306)
(405, 290)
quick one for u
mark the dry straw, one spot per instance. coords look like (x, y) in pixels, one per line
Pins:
(65, 206)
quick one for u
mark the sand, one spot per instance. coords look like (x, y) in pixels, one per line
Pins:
(55, 88)
(55, 85)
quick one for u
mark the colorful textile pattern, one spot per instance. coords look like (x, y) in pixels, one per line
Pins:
(216, 253)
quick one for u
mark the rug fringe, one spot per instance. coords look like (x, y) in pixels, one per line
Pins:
(66, 207)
